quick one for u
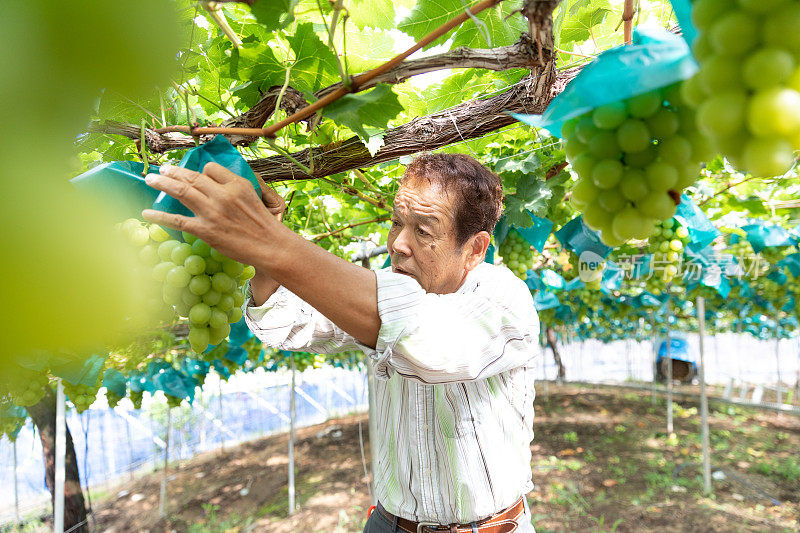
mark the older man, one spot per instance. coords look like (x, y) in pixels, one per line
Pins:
(453, 338)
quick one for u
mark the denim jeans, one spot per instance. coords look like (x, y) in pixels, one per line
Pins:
(377, 523)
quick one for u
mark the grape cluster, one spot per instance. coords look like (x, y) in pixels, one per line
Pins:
(25, 387)
(667, 242)
(197, 282)
(747, 91)
(517, 254)
(9, 422)
(82, 396)
(113, 398)
(136, 398)
(633, 158)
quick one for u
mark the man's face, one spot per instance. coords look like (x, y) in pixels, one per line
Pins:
(422, 241)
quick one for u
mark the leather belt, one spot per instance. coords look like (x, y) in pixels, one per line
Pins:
(504, 521)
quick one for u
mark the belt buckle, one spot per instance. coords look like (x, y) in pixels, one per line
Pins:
(422, 525)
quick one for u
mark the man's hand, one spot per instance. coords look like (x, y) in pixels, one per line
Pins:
(229, 215)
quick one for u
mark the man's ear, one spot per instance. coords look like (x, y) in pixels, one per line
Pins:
(476, 249)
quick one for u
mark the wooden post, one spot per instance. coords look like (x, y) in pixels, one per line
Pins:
(291, 439)
(61, 450)
(162, 500)
(701, 318)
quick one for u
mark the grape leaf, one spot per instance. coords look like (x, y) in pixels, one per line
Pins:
(428, 15)
(274, 14)
(578, 28)
(315, 64)
(372, 13)
(366, 113)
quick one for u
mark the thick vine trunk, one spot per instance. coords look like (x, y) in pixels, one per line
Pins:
(553, 342)
(43, 415)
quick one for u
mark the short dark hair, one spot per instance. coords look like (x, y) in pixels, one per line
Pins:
(479, 191)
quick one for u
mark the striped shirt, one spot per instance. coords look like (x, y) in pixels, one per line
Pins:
(454, 389)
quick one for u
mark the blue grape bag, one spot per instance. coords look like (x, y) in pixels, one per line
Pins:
(655, 59)
(120, 184)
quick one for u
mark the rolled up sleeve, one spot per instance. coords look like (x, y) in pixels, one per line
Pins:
(286, 322)
(464, 336)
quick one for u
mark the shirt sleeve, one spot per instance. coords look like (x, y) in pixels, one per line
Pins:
(286, 322)
(463, 336)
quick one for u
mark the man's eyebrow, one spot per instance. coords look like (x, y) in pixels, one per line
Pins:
(428, 219)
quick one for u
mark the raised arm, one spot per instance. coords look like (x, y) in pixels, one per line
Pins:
(231, 217)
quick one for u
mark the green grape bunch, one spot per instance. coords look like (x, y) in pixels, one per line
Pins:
(82, 396)
(747, 91)
(517, 254)
(136, 398)
(667, 242)
(25, 387)
(196, 282)
(633, 158)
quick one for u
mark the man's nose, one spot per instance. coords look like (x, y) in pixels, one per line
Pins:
(401, 243)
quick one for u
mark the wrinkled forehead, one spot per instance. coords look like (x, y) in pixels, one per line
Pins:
(418, 195)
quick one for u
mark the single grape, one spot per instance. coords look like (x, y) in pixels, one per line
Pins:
(235, 315)
(195, 265)
(604, 145)
(722, 114)
(160, 270)
(626, 223)
(158, 234)
(676, 150)
(199, 339)
(633, 136)
(200, 314)
(596, 217)
(609, 116)
(706, 12)
(663, 124)
(767, 67)
(780, 27)
(180, 253)
(212, 297)
(212, 265)
(681, 232)
(200, 285)
(657, 205)
(247, 273)
(218, 334)
(675, 245)
(661, 176)
(172, 295)
(633, 184)
(607, 173)
(232, 268)
(165, 249)
(149, 255)
(584, 164)
(611, 200)
(733, 33)
(768, 156)
(586, 130)
(190, 298)
(644, 105)
(139, 236)
(201, 248)
(226, 303)
(217, 255)
(585, 191)
(222, 282)
(178, 277)
(238, 299)
(774, 112)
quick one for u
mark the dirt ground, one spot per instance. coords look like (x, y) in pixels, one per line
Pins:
(602, 461)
